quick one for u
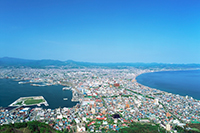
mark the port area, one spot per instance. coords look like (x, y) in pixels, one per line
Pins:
(29, 101)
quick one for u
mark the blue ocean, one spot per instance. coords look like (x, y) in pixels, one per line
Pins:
(186, 82)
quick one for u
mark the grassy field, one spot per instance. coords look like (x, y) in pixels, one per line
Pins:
(19, 103)
(29, 101)
(33, 101)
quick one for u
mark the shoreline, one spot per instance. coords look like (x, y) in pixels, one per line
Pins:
(138, 74)
(163, 90)
(167, 70)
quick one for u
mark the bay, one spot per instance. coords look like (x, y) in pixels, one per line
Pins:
(184, 83)
(10, 91)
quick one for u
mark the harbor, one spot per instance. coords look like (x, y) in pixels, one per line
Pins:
(11, 91)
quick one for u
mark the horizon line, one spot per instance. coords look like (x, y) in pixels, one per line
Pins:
(97, 62)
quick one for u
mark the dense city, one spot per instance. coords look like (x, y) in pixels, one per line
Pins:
(108, 99)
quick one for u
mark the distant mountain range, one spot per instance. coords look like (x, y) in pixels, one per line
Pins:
(17, 62)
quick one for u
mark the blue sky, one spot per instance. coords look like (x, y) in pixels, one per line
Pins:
(163, 31)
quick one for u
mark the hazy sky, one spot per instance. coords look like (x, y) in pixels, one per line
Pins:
(165, 31)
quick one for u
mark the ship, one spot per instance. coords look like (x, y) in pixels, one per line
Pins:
(66, 88)
(22, 82)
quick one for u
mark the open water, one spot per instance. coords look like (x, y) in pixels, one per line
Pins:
(178, 82)
(10, 91)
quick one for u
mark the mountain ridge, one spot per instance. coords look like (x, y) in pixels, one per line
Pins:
(17, 62)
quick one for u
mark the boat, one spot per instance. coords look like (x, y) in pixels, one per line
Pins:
(66, 88)
(22, 82)
(37, 85)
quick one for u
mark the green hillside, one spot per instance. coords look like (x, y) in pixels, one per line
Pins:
(38, 127)
(29, 127)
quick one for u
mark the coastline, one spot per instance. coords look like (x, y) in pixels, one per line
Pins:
(167, 70)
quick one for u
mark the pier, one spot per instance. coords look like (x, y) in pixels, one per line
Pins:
(76, 94)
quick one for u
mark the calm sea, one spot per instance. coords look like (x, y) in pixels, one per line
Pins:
(10, 91)
(178, 82)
